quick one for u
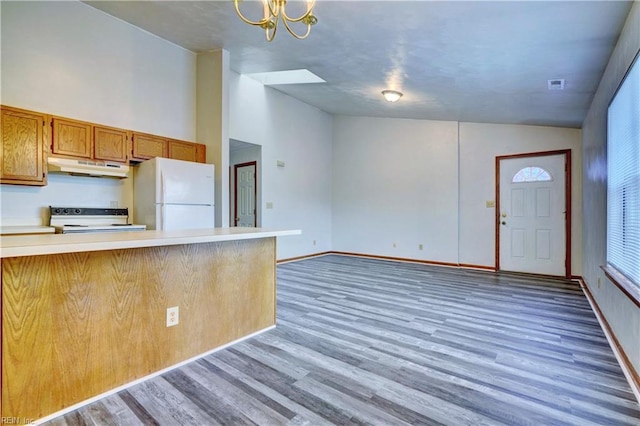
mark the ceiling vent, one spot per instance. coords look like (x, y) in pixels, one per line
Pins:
(555, 84)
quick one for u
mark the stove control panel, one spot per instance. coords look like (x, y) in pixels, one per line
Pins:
(88, 211)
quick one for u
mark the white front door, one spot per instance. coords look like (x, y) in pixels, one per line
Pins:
(246, 195)
(532, 215)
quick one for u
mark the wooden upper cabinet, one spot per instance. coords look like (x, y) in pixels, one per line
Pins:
(146, 146)
(22, 149)
(180, 150)
(72, 138)
(201, 153)
(110, 144)
(187, 151)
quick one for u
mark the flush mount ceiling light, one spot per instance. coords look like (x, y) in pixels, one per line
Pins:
(274, 11)
(391, 95)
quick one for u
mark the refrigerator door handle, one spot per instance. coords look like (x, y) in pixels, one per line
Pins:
(161, 188)
(163, 225)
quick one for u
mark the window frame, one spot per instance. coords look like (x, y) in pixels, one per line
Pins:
(616, 276)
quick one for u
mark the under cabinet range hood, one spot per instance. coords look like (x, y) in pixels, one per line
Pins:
(87, 168)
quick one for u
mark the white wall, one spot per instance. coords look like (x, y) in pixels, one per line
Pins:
(68, 59)
(412, 182)
(480, 144)
(23, 205)
(621, 313)
(395, 181)
(300, 135)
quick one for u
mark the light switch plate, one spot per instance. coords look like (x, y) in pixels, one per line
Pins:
(491, 204)
(269, 204)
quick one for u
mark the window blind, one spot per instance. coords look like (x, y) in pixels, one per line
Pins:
(623, 177)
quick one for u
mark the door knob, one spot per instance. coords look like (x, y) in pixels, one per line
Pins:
(504, 223)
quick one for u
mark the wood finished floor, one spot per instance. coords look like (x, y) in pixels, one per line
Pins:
(362, 341)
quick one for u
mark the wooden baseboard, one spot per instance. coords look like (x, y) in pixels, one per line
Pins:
(306, 256)
(410, 260)
(483, 267)
(627, 367)
(395, 259)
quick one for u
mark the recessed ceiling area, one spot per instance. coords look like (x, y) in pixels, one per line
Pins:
(272, 78)
(474, 61)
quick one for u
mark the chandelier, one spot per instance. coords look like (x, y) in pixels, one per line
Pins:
(274, 11)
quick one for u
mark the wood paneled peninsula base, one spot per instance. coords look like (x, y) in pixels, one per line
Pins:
(85, 314)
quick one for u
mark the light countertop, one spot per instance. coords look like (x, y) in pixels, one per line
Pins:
(33, 245)
(23, 230)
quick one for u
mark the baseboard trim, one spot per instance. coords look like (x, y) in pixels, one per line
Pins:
(410, 260)
(306, 256)
(483, 267)
(394, 259)
(627, 368)
(391, 258)
(142, 379)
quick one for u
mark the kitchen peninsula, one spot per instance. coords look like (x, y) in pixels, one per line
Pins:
(84, 314)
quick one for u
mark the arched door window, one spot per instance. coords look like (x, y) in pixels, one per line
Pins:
(531, 174)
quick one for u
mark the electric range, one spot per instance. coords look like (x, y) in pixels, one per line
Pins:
(77, 220)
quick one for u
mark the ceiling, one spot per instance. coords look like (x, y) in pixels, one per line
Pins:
(473, 61)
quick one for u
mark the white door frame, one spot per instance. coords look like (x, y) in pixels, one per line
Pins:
(235, 191)
(567, 202)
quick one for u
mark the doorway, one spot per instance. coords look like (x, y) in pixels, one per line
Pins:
(533, 213)
(244, 153)
(246, 184)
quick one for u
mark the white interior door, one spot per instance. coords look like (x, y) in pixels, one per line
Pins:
(246, 195)
(532, 215)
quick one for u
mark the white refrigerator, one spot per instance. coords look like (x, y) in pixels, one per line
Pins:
(174, 194)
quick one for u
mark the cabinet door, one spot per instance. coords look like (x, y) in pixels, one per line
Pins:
(179, 150)
(148, 146)
(110, 144)
(24, 136)
(71, 137)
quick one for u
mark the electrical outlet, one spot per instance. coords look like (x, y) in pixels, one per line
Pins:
(314, 242)
(114, 203)
(394, 245)
(420, 246)
(173, 316)
(598, 282)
